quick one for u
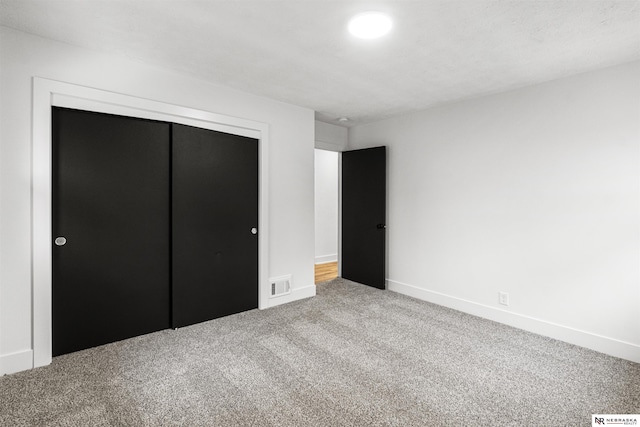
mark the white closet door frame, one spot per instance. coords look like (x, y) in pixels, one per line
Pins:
(49, 93)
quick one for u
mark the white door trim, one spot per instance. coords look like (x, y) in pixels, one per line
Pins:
(48, 93)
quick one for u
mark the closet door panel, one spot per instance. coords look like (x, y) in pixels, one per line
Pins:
(111, 203)
(215, 207)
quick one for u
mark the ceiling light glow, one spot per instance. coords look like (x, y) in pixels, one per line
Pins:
(370, 25)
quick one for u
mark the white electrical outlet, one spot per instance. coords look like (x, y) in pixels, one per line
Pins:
(503, 298)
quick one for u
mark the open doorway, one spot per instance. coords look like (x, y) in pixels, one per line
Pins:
(326, 215)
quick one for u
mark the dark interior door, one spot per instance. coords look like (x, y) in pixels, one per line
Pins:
(364, 183)
(215, 207)
(111, 204)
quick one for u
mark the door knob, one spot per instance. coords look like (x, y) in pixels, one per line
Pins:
(60, 241)
(381, 226)
(254, 230)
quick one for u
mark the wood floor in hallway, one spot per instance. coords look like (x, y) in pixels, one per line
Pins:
(326, 271)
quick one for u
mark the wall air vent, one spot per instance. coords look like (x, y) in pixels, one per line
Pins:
(280, 286)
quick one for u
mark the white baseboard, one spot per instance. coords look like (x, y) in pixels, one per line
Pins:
(296, 294)
(16, 362)
(323, 259)
(607, 345)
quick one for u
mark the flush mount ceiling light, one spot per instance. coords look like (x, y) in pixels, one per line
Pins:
(370, 25)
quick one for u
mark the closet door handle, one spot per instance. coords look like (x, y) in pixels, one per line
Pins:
(60, 241)
(254, 230)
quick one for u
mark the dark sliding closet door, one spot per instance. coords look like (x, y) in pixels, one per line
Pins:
(215, 208)
(111, 204)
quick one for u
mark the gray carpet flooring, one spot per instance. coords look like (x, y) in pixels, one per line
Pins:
(351, 356)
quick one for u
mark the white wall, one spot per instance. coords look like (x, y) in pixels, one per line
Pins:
(291, 160)
(534, 192)
(326, 198)
(331, 137)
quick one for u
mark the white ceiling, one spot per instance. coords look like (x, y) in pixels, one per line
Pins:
(299, 51)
